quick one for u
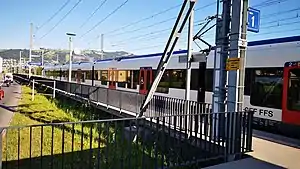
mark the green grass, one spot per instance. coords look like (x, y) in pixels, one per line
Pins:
(90, 141)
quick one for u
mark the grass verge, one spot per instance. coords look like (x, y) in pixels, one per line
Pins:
(43, 145)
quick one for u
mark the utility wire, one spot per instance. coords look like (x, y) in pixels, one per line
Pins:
(144, 19)
(205, 6)
(114, 11)
(278, 13)
(144, 27)
(56, 13)
(269, 3)
(119, 43)
(61, 19)
(167, 29)
(97, 9)
(157, 23)
(154, 32)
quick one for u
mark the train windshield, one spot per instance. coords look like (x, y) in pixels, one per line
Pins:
(294, 90)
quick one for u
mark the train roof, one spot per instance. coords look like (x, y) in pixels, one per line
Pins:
(252, 43)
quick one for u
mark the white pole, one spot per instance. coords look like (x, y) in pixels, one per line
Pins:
(189, 69)
(102, 41)
(189, 57)
(20, 62)
(70, 58)
(30, 49)
(32, 94)
(43, 62)
(54, 85)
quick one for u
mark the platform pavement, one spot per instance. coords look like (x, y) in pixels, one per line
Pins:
(270, 151)
(9, 104)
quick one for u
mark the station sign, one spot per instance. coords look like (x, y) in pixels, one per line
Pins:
(34, 63)
(253, 20)
(233, 64)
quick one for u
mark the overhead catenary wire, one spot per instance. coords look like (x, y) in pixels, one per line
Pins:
(149, 38)
(290, 23)
(152, 33)
(167, 29)
(268, 3)
(55, 14)
(68, 13)
(279, 13)
(144, 19)
(101, 21)
(160, 22)
(95, 11)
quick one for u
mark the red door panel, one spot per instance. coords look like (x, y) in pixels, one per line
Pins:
(112, 76)
(291, 93)
(145, 79)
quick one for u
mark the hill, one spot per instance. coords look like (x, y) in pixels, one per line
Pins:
(52, 55)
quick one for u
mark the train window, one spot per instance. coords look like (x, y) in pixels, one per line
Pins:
(248, 80)
(294, 90)
(267, 88)
(163, 86)
(177, 79)
(98, 75)
(132, 79)
(104, 77)
(88, 75)
(209, 76)
(208, 79)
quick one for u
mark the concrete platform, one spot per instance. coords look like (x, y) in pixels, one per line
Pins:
(273, 152)
(248, 163)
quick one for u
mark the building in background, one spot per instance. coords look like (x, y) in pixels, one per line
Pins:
(1, 64)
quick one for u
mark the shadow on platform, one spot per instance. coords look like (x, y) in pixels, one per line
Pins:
(247, 163)
(279, 139)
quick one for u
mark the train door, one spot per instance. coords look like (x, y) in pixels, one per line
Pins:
(78, 75)
(145, 79)
(291, 93)
(112, 76)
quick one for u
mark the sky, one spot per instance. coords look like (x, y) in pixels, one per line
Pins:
(123, 29)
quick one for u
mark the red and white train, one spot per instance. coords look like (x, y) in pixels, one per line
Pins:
(272, 79)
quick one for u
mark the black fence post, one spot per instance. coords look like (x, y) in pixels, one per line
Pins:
(249, 125)
(93, 74)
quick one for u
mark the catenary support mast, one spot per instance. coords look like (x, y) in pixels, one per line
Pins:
(173, 39)
(229, 64)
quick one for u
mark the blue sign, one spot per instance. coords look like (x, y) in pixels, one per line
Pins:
(35, 63)
(253, 20)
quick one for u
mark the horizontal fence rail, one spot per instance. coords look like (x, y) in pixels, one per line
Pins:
(116, 143)
(212, 135)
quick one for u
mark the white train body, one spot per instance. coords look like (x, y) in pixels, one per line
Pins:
(273, 53)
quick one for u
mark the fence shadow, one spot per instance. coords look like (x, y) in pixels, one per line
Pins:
(93, 158)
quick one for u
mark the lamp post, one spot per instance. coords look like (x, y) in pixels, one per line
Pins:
(71, 51)
(20, 62)
(42, 62)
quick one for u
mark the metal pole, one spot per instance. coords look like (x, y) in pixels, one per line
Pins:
(168, 51)
(43, 61)
(102, 41)
(54, 85)
(220, 73)
(30, 49)
(20, 62)
(188, 65)
(32, 94)
(70, 59)
(42, 57)
(237, 51)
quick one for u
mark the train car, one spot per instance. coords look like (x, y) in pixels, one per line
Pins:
(272, 79)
